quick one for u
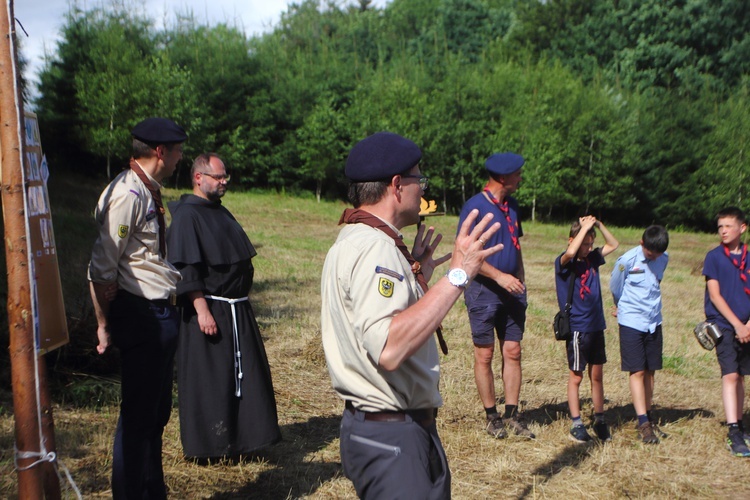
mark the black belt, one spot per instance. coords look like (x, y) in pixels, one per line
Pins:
(170, 301)
(423, 417)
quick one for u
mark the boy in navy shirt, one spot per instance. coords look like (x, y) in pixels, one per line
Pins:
(727, 304)
(581, 262)
(636, 288)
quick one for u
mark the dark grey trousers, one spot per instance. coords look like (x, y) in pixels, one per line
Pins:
(392, 460)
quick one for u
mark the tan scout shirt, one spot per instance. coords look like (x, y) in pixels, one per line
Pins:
(127, 249)
(366, 282)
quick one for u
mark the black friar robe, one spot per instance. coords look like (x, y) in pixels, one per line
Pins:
(213, 254)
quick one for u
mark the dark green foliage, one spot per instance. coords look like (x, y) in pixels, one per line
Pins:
(624, 109)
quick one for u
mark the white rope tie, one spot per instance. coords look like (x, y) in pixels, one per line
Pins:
(236, 341)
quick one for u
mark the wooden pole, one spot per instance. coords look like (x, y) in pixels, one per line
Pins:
(32, 482)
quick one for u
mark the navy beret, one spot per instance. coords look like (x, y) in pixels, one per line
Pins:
(159, 131)
(504, 163)
(381, 156)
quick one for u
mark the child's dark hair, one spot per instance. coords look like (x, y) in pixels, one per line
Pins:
(655, 239)
(575, 228)
(732, 212)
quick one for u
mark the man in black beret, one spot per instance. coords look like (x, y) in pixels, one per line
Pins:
(133, 290)
(379, 322)
(496, 299)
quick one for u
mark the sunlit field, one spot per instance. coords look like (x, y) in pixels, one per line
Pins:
(292, 236)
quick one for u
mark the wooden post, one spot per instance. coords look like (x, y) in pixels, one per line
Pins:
(32, 482)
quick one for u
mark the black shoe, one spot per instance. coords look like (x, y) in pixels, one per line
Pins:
(601, 429)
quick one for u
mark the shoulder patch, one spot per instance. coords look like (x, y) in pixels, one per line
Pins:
(122, 230)
(385, 287)
(621, 267)
(388, 272)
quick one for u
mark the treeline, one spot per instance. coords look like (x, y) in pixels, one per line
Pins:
(636, 111)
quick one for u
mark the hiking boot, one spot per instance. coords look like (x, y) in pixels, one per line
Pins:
(737, 445)
(601, 429)
(646, 430)
(579, 435)
(496, 427)
(659, 433)
(518, 425)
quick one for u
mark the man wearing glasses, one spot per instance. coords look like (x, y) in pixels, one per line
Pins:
(227, 405)
(379, 322)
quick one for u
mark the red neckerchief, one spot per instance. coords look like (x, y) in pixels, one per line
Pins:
(585, 289)
(506, 211)
(739, 265)
(357, 216)
(156, 195)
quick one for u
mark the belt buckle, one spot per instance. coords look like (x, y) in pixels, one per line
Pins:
(172, 299)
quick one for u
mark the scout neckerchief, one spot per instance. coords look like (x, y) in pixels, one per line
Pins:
(739, 265)
(355, 216)
(156, 195)
(584, 278)
(505, 209)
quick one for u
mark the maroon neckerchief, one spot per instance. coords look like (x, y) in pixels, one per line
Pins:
(156, 195)
(357, 216)
(739, 265)
(506, 211)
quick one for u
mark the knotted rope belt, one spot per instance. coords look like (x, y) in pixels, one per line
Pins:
(236, 341)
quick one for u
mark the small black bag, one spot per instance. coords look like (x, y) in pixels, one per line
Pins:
(561, 323)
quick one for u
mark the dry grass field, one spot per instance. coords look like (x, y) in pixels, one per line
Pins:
(292, 236)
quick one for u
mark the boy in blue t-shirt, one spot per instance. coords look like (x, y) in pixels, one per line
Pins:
(636, 289)
(727, 304)
(581, 262)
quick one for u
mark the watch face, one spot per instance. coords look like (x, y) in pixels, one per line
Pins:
(458, 277)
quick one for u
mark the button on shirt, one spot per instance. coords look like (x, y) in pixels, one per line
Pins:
(366, 281)
(636, 290)
(127, 249)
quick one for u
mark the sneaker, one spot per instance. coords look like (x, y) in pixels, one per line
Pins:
(518, 425)
(579, 435)
(601, 429)
(659, 433)
(646, 430)
(737, 445)
(496, 427)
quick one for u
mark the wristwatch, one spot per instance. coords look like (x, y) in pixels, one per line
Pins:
(457, 277)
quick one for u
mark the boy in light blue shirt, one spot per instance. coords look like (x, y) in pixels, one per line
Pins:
(635, 285)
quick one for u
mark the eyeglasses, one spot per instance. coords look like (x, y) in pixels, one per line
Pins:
(424, 181)
(220, 178)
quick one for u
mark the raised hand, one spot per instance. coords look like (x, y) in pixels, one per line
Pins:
(424, 249)
(469, 252)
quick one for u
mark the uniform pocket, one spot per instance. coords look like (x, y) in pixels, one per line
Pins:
(396, 450)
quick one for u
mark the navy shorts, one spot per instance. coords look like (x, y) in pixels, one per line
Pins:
(733, 356)
(488, 316)
(640, 350)
(585, 348)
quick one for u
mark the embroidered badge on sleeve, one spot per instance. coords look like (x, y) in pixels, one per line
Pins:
(385, 287)
(122, 231)
(388, 272)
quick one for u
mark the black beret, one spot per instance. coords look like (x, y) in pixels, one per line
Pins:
(504, 163)
(381, 156)
(159, 131)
